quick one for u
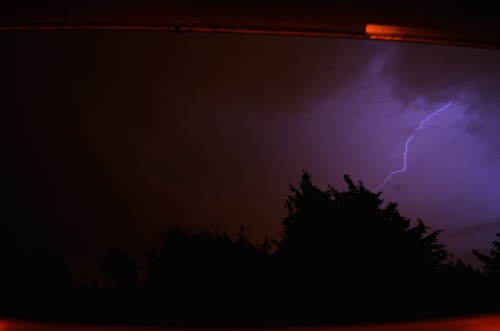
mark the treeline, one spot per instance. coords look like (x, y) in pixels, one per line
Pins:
(344, 257)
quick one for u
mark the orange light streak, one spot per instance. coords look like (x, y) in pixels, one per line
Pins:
(184, 29)
(474, 323)
(411, 34)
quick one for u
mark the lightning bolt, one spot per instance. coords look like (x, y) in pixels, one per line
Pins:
(405, 153)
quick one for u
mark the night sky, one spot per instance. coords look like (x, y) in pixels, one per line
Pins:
(109, 137)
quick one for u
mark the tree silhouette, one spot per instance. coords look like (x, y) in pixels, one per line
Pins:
(340, 252)
(491, 262)
(38, 286)
(354, 230)
(205, 273)
(118, 269)
(491, 271)
(43, 271)
(347, 245)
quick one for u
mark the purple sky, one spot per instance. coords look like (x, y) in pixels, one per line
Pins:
(111, 136)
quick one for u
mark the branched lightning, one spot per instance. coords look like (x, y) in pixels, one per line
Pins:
(405, 153)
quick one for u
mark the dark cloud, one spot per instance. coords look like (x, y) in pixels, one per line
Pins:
(490, 228)
(439, 74)
(470, 77)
